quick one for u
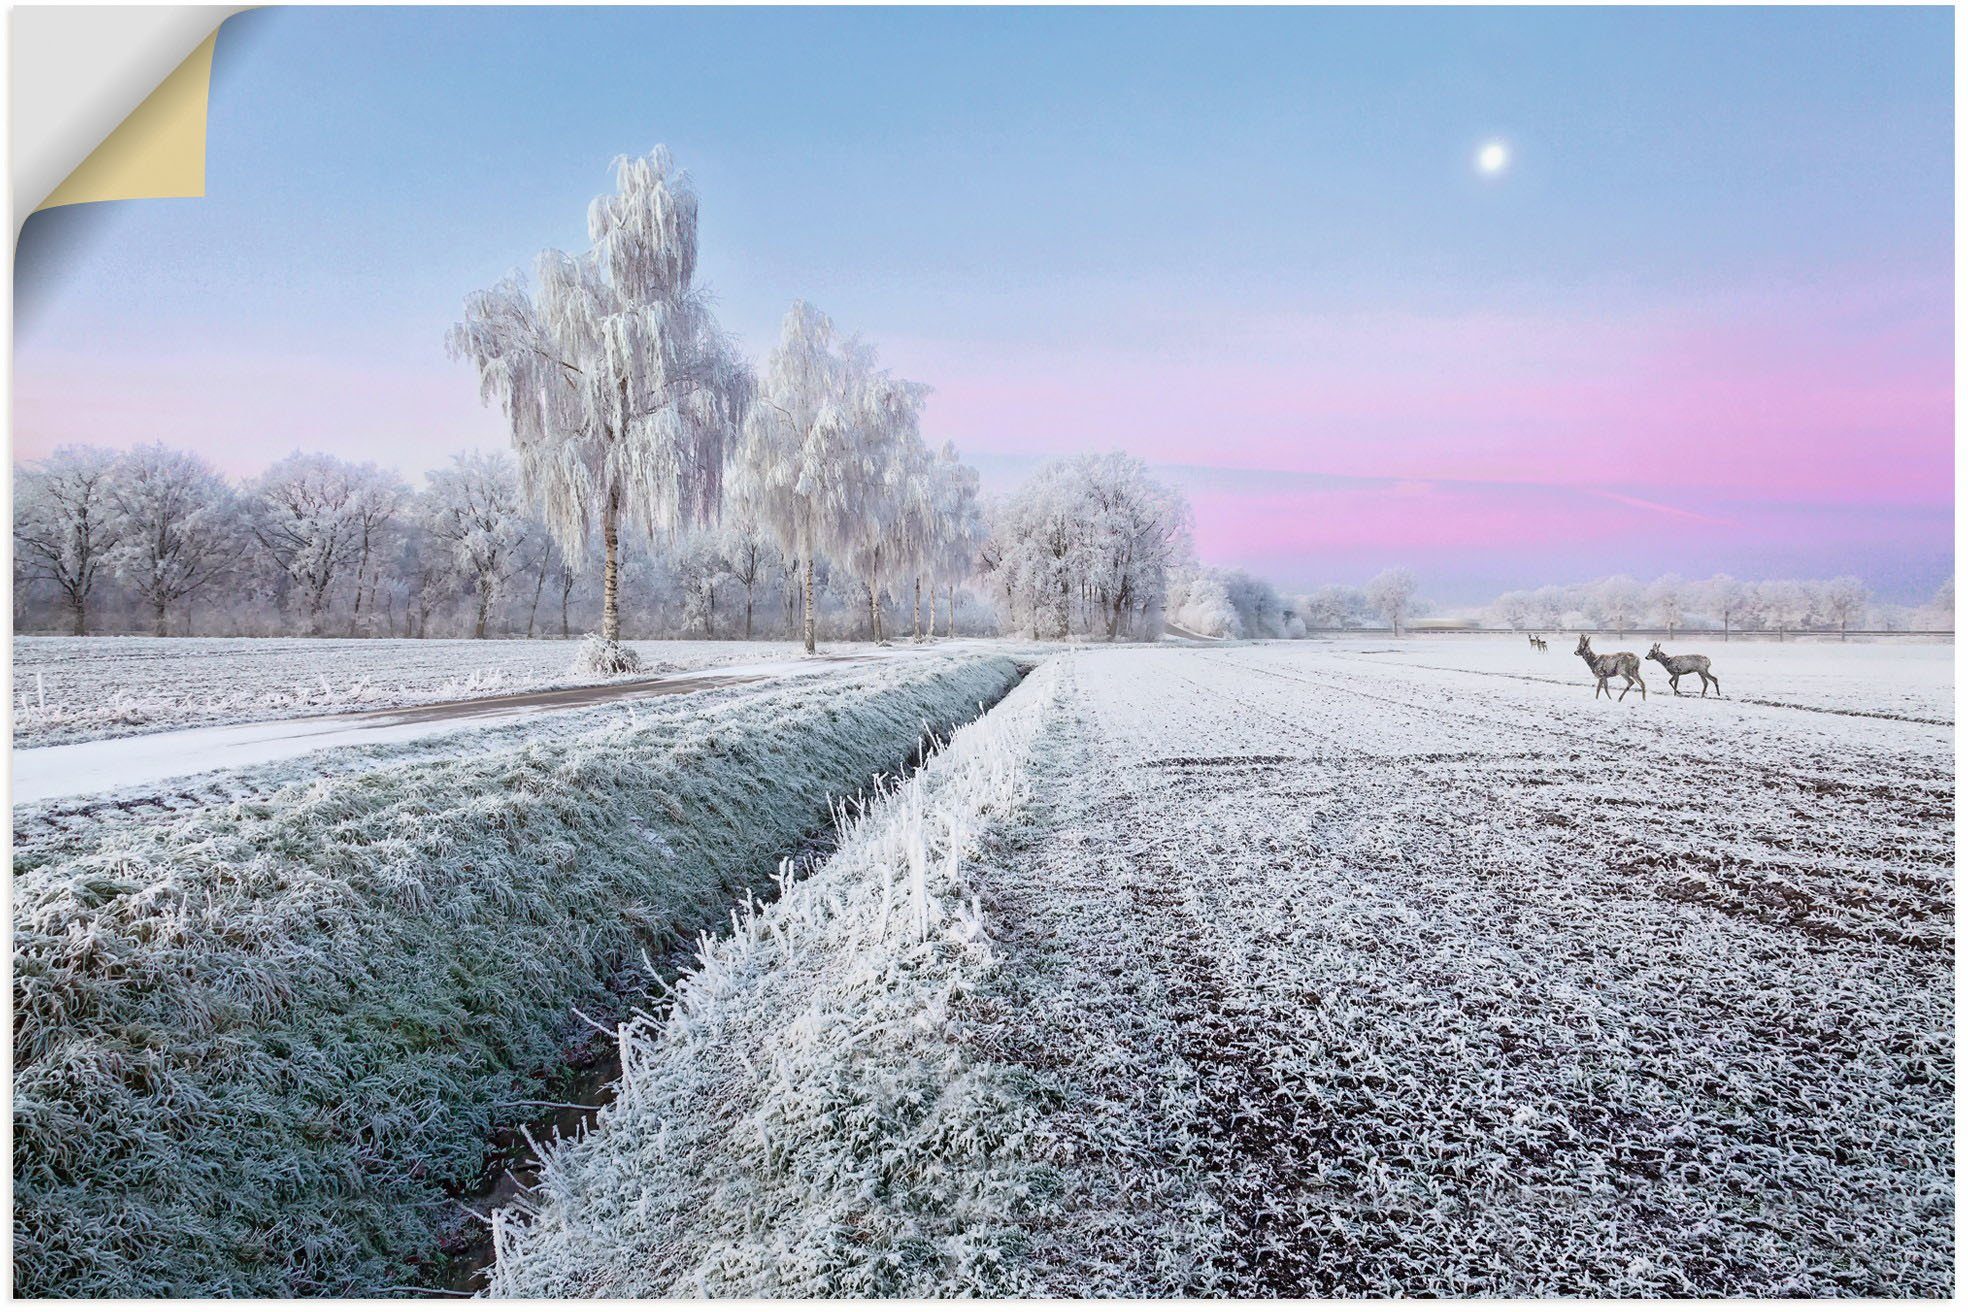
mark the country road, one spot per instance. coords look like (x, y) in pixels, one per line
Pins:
(42, 774)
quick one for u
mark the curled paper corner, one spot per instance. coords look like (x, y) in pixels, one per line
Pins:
(108, 102)
(158, 151)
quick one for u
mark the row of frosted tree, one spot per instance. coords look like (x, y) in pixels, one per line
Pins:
(1723, 603)
(628, 406)
(155, 540)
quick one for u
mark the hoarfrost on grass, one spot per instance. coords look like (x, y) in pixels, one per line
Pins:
(806, 1117)
(255, 1038)
(1331, 969)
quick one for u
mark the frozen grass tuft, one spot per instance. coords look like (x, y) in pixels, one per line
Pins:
(252, 1041)
(599, 655)
(805, 1118)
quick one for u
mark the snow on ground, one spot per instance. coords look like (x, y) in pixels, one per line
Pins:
(799, 1122)
(1905, 677)
(74, 689)
(1322, 969)
(255, 1039)
(119, 766)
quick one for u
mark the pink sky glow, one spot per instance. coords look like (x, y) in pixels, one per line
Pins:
(1728, 426)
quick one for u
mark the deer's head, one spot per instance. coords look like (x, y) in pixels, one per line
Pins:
(1654, 653)
(1584, 648)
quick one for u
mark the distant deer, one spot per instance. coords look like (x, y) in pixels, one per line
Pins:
(1538, 643)
(1623, 663)
(1676, 666)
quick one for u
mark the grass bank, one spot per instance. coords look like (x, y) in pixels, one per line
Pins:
(252, 1042)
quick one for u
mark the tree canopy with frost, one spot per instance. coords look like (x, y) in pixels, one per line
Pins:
(890, 482)
(951, 556)
(472, 509)
(176, 525)
(1088, 544)
(1391, 593)
(621, 394)
(66, 529)
(813, 459)
(1845, 600)
(315, 518)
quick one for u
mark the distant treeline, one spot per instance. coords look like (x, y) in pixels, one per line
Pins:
(154, 540)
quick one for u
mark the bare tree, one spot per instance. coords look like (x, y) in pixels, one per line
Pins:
(751, 558)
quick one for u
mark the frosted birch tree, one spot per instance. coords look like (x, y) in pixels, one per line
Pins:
(66, 529)
(621, 395)
(805, 459)
(177, 527)
(887, 536)
(958, 532)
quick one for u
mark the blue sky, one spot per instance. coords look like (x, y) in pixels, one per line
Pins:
(1716, 278)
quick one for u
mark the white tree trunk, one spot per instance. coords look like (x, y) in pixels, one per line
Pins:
(611, 615)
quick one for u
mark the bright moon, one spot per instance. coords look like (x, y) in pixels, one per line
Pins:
(1493, 158)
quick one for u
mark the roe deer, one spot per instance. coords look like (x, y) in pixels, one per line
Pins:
(1676, 666)
(1623, 663)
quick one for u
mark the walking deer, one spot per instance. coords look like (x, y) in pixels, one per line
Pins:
(1623, 663)
(1676, 666)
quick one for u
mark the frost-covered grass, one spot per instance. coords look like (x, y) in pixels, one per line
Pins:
(1327, 970)
(75, 689)
(804, 1118)
(1412, 981)
(253, 1039)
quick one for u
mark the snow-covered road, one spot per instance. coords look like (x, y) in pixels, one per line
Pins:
(113, 765)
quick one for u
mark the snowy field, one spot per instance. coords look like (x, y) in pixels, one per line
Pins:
(75, 689)
(1320, 969)
(1913, 678)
